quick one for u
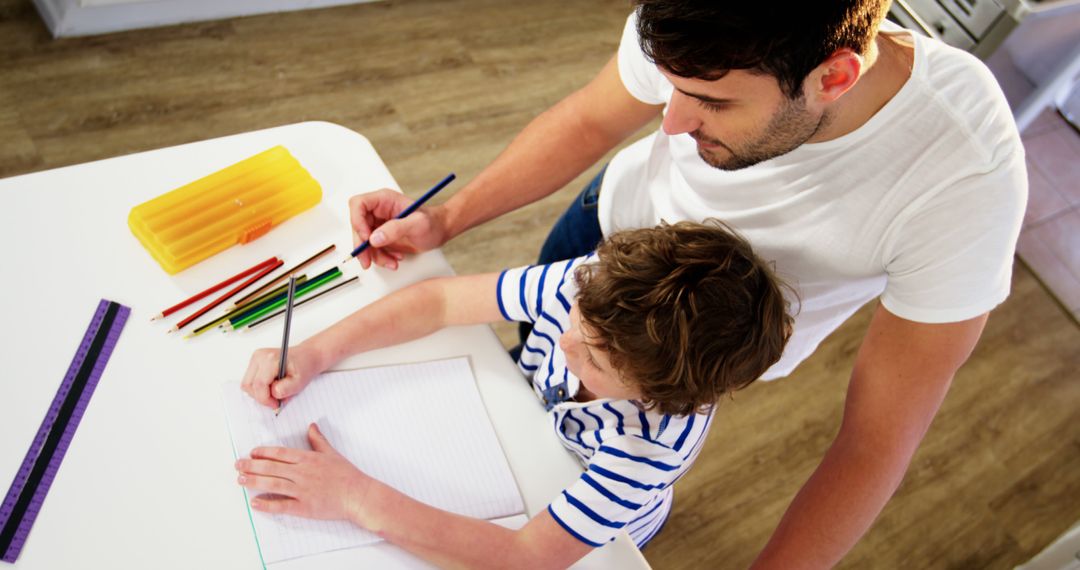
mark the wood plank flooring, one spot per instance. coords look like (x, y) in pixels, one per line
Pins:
(442, 85)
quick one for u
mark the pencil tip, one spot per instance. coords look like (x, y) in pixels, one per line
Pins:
(172, 330)
(156, 317)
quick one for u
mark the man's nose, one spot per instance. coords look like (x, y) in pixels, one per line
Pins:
(680, 116)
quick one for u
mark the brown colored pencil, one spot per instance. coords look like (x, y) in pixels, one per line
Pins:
(284, 274)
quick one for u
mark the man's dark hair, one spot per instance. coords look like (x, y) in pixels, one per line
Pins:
(704, 39)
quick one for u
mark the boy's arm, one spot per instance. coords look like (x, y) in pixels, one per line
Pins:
(404, 315)
(901, 375)
(408, 314)
(322, 484)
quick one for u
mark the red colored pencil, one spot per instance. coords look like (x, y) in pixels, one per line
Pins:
(213, 289)
(262, 273)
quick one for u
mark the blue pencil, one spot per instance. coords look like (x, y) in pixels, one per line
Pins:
(412, 208)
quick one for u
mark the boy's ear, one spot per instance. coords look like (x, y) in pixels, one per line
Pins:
(834, 76)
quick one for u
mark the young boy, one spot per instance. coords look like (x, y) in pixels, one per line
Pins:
(631, 349)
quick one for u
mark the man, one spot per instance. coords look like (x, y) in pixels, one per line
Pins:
(864, 161)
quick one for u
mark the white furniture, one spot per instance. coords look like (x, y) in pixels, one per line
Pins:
(148, 481)
(1046, 50)
(68, 18)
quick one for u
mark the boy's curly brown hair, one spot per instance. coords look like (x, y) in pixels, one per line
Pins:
(686, 312)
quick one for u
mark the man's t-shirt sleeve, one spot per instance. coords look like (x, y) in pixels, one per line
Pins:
(951, 259)
(639, 75)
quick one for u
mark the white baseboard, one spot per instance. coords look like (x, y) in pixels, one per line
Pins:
(66, 18)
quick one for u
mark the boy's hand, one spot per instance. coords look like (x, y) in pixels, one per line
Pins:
(316, 484)
(372, 217)
(261, 382)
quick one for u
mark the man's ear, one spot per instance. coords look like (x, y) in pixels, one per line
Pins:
(835, 76)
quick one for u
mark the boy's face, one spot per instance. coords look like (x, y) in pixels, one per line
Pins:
(590, 364)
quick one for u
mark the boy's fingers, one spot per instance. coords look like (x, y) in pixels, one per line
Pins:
(276, 504)
(317, 440)
(284, 388)
(264, 467)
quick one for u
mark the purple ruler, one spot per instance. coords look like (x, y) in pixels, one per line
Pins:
(38, 469)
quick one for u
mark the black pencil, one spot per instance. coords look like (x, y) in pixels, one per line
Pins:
(285, 336)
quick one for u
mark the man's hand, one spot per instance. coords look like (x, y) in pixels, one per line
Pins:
(372, 217)
(316, 484)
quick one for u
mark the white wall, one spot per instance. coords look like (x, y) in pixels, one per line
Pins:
(88, 17)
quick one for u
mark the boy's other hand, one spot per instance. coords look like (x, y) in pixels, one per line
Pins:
(372, 217)
(261, 381)
(316, 484)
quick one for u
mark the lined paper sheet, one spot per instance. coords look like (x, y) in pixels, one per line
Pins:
(420, 428)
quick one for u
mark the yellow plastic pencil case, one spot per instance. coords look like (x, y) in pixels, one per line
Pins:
(237, 204)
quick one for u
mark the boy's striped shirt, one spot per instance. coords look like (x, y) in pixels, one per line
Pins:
(631, 457)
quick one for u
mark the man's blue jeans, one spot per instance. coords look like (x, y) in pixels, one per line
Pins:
(576, 233)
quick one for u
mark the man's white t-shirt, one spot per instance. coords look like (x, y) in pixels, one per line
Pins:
(922, 205)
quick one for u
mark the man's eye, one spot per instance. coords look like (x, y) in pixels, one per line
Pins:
(716, 107)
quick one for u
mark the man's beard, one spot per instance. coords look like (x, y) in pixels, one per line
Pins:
(788, 129)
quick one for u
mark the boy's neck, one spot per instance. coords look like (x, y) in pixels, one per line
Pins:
(584, 395)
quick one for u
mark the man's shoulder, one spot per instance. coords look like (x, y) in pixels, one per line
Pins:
(963, 92)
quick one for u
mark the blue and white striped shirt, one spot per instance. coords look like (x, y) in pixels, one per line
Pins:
(631, 457)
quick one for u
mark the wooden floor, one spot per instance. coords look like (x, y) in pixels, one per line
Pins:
(444, 85)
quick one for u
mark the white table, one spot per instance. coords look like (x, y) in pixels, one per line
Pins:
(148, 481)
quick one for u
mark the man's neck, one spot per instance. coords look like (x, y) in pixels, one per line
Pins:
(887, 68)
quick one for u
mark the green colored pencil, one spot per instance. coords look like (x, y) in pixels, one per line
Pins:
(242, 308)
(300, 292)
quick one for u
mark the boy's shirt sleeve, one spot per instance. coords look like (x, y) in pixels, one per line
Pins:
(622, 481)
(522, 292)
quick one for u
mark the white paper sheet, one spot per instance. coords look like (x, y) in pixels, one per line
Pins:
(421, 428)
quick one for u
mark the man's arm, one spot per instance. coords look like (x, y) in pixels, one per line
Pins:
(901, 375)
(551, 151)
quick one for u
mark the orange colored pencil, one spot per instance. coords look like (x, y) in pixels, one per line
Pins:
(213, 289)
(262, 273)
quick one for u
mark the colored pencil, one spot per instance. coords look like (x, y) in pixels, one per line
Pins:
(312, 284)
(311, 298)
(228, 295)
(412, 208)
(285, 336)
(278, 278)
(213, 289)
(268, 300)
(238, 310)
